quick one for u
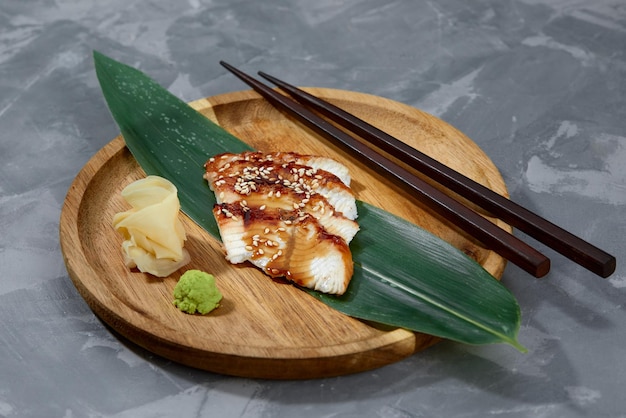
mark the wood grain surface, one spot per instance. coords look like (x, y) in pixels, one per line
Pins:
(263, 328)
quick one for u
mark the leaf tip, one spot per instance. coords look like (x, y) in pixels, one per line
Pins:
(518, 346)
(98, 56)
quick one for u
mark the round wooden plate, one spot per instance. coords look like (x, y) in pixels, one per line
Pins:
(264, 328)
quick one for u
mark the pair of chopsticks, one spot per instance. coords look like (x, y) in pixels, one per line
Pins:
(492, 236)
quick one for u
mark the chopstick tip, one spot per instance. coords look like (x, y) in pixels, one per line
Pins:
(608, 268)
(543, 268)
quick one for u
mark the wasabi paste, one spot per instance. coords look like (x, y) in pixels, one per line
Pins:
(196, 291)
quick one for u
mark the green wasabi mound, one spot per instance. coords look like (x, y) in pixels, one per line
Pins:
(196, 291)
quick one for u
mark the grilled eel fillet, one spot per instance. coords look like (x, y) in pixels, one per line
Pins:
(288, 214)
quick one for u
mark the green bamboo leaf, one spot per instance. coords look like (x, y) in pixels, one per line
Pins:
(438, 290)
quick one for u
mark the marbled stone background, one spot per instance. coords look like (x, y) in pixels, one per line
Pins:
(540, 85)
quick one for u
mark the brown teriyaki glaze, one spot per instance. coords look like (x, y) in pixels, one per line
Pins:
(283, 216)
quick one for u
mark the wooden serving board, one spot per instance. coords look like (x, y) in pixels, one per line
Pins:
(263, 329)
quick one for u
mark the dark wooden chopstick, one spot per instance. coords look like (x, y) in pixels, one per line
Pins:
(488, 233)
(569, 245)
